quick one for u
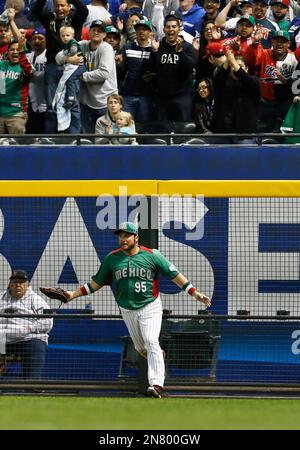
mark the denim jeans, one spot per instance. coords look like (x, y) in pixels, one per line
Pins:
(89, 117)
(139, 106)
(53, 73)
(177, 108)
(73, 83)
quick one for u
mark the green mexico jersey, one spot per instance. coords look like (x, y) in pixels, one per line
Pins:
(135, 277)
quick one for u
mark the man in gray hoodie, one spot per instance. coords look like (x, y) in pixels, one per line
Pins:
(100, 79)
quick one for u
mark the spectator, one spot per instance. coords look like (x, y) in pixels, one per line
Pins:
(211, 9)
(72, 83)
(8, 29)
(280, 11)
(113, 37)
(205, 64)
(244, 31)
(100, 79)
(126, 27)
(268, 27)
(259, 12)
(134, 61)
(53, 21)
(237, 95)
(246, 7)
(174, 62)
(214, 57)
(124, 126)
(294, 9)
(192, 16)
(115, 104)
(222, 20)
(275, 68)
(15, 74)
(26, 338)
(113, 6)
(97, 11)
(126, 9)
(66, 97)
(203, 106)
(37, 101)
(20, 19)
(156, 11)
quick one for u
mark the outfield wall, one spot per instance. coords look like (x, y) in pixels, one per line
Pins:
(245, 257)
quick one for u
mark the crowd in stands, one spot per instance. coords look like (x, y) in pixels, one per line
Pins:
(103, 66)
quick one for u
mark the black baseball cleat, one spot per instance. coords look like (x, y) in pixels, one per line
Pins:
(156, 391)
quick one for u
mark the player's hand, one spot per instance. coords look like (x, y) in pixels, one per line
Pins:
(202, 298)
(70, 295)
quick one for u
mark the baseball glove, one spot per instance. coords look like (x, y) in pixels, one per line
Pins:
(56, 293)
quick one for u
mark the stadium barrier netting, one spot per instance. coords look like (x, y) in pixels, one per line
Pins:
(238, 242)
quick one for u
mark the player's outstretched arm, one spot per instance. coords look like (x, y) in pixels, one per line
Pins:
(183, 283)
(85, 289)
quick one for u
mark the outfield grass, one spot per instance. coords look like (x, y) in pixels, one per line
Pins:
(52, 413)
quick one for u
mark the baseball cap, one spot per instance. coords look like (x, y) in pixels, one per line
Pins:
(112, 29)
(284, 2)
(249, 18)
(129, 227)
(266, 2)
(282, 34)
(214, 49)
(145, 22)
(98, 23)
(39, 31)
(173, 15)
(247, 1)
(19, 275)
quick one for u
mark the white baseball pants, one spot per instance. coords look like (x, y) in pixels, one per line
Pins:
(144, 326)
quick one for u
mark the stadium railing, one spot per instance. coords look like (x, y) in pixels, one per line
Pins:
(155, 138)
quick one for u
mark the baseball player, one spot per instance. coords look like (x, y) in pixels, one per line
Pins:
(134, 269)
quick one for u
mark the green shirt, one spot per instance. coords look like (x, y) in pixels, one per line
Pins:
(135, 277)
(284, 25)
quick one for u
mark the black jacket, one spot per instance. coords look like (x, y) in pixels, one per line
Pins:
(174, 70)
(236, 102)
(136, 63)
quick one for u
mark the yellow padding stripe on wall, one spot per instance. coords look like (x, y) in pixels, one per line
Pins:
(93, 188)
(231, 188)
(77, 188)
